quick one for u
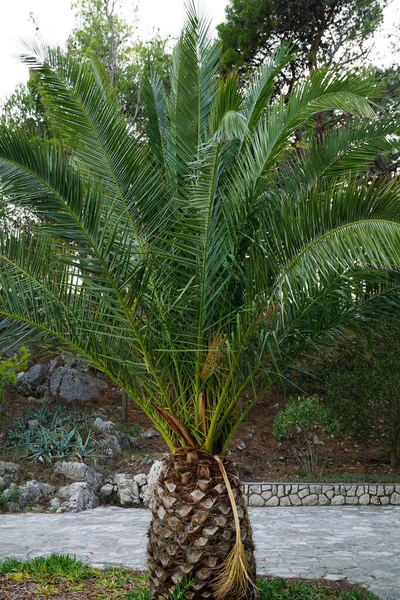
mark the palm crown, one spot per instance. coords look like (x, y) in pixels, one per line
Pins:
(193, 264)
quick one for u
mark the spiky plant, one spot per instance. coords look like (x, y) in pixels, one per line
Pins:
(194, 264)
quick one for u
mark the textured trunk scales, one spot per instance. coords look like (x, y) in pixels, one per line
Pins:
(193, 529)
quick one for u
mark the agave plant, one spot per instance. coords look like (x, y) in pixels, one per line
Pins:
(194, 264)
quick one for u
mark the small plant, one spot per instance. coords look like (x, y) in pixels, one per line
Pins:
(6, 497)
(46, 434)
(299, 420)
(9, 368)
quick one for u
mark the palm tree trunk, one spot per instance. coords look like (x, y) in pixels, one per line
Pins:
(192, 529)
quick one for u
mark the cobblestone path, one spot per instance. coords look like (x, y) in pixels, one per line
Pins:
(361, 544)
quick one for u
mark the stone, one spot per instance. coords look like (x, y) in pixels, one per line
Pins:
(127, 490)
(256, 500)
(361, 490)
(380, 490)
(315, 489)
(326, 488)
(77, 496)
(73, 384)
(371, 489)
(351, 490)
(266, 495)
(266, 487)
(103, 426)
(106, 490)
(254, 489)
(295, 489)
(29, 381)
(274, 501)
(152, 479)
(55, 504)
(364, 499)
(337, 500)
(288, 489)
(9, 469)
(304, 492)
(311, 500)
(395, 498)
(33, 492)
(150, 433)
(281, 491)
(375, 500)
(111, 446)
(329, 494)
(294, 499)
(285, 501)
(352, 500)
(317, 441)
(323, 500)
(397, 489)
(389, 489)
(385, 500)
(76, 471)
(141, 479)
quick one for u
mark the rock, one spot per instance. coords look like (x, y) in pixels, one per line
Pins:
(274, 501)
(317, 441)
(141, 479)
(395, 498)
(127, 490)
(106, 490)
(266, 495)
(72, 384)
(8, 472)
(152, 479)
(256, 500)
(33, 491)
(241, 446)
(29, 382)
(322, 500)
(311, 500)
(364, 499)
(77, 496)
(142, 492)
(76, 471)
(55, 504)
(112, 447)
(285, 501)
(337, 500)
(103, 426)
(33, 423)
(148, 460)
(150, 433)
(295, 500)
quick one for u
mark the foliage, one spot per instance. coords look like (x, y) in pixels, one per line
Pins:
(299, 420)
(103, 35)
(9, 367)
(196, 263)
(6, 497)
(363, 383)
(320, 31)
(47, 434)
(67, 574)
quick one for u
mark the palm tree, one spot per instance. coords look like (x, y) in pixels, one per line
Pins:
(194, 264)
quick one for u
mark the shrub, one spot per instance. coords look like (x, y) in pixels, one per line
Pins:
(363, 386)
(298, 421)
(9, 368)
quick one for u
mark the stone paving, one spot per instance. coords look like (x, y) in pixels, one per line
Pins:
(361, 544)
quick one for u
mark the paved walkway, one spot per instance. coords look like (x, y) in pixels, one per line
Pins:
(360, 544)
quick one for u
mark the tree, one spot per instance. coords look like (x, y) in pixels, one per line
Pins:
(104, 35)
(362, 386)
(320, 31)
(194, 264)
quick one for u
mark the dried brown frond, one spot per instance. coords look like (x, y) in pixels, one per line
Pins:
(233, 579)
(201, 408)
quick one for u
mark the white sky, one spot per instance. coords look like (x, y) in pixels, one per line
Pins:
(55, 19)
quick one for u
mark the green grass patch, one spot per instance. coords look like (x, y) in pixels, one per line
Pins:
(59, 573)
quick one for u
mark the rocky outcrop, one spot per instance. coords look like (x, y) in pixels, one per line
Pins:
(33, 382)
(76, 497)
(8, 473)
(76, 471)
(75, 384)
(33, 492)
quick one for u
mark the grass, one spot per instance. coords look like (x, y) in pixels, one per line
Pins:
(351, 478)
(59, 575)
(6, 498)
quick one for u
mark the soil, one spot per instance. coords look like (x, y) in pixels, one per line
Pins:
(259, 455)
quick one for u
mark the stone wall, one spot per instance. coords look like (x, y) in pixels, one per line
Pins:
(312, 494)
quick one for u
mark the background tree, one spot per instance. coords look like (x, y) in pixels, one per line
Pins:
(194, 264)
(362, 386)
(321, 31)
(102, 34)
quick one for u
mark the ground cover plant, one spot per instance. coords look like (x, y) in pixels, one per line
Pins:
(194, 264)
(67, 579)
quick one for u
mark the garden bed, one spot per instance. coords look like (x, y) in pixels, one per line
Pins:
(63, 578)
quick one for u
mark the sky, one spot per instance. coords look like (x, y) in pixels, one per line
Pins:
(55, 20)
